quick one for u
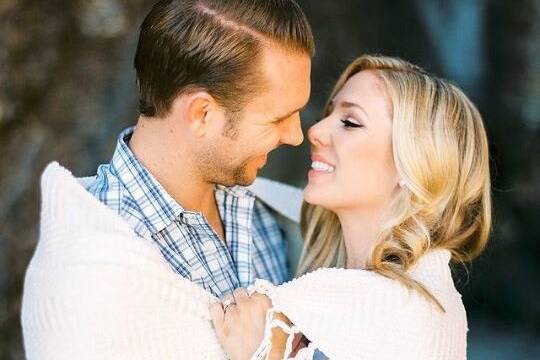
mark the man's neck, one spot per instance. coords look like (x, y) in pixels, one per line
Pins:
(170, 162)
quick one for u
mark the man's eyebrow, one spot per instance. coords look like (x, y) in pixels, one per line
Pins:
(348, 104)
(290, 114)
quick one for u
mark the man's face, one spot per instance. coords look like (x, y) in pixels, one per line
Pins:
(271, 118)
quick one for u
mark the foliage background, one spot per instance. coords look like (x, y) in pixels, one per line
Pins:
(67, 88)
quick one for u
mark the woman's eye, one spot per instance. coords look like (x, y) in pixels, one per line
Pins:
(348, 123)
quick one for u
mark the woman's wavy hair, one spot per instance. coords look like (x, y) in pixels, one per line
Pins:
(441, 154)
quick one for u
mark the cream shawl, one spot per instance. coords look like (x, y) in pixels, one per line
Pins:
(94, 290)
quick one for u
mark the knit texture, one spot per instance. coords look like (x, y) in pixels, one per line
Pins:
(105, 293)
(358, 314)
(94, 290)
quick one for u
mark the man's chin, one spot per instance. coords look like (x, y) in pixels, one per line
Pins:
(241, 177)
(246, 180)
(246, 176)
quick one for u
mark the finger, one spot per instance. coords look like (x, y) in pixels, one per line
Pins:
(228, 297)
(240, 295)
(217, 316)
(262, 300)
(282, 317)
(231, 308)
(231, 315)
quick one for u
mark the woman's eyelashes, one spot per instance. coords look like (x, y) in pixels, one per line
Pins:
(350, 124)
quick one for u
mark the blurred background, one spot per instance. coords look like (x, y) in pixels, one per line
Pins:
(67, 88)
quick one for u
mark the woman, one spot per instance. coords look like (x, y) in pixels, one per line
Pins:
(399, 186)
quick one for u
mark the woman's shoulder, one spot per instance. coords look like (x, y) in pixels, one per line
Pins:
(365, 302)
(432, 270)
(433, 264)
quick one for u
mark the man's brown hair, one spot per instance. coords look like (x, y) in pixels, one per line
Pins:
(212, 45)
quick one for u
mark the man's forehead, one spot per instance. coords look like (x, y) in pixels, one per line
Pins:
(284, 82)
(279, 63)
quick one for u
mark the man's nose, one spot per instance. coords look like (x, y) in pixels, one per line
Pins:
(292, 133)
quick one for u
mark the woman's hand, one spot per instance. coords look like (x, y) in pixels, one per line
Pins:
(240, 327)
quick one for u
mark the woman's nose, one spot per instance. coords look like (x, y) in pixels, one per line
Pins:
(317, 134)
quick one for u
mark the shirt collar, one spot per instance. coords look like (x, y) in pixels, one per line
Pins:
(237, 191)
(157, 206)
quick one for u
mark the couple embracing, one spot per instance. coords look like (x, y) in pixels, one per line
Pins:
(176, 250)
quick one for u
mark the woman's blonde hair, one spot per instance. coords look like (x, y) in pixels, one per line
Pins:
(441, 154)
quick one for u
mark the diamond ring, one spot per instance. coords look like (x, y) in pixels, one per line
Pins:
(227, 303)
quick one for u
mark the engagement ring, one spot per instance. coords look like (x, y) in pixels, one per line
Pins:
(227, 303)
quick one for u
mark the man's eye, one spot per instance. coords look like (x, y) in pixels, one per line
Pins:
(348, 123)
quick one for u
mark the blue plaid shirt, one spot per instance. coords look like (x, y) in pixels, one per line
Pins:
(255, 247)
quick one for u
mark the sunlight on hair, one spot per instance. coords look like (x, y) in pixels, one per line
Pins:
(441, 152)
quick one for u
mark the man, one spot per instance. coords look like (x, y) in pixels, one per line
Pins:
(221, 84)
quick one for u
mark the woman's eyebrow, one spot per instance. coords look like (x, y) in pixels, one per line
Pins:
(349, 104)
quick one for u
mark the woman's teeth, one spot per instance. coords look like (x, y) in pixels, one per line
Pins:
(320, 166)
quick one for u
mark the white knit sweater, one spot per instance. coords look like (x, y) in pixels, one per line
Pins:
(358, 314)
(94, 290)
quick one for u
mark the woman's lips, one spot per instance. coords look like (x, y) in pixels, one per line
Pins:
(320, 167)
(320, 158)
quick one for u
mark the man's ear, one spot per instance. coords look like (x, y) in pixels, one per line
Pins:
(198, 111)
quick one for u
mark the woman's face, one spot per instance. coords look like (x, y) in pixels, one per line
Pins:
(352, 162)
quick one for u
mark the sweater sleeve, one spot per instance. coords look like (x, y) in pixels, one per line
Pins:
(94, 301)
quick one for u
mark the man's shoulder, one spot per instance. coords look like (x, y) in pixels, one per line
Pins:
(104, 185)
(285, 200)
(88, 182)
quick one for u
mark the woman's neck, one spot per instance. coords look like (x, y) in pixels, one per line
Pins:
(361, 229)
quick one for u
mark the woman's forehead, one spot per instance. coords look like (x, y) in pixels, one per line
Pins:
(363, 87)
